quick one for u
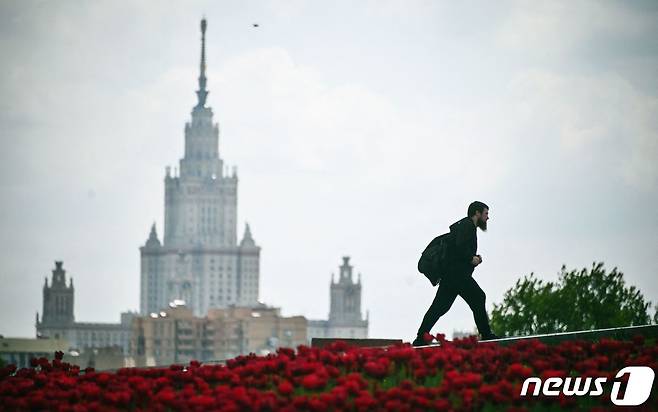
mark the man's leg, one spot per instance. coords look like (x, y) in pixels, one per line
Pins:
(442, 302)
(475, 298)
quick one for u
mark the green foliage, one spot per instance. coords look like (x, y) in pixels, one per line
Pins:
(579, 300)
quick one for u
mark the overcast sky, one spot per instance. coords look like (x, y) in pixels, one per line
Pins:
(358, 128)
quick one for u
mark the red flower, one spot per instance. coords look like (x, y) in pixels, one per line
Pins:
(66, 382)
(7, 371)
(103, 378)
(364, 402)
(176, 367)
(427, 337)
(89, 390)
(202, 402)
(377, 369)
(285, 388)
(166, 396)
(313, 381)
(401, 353)
(339, 395)
(553, 373)
(338, 346)
(393, 405)
(289, 353)
(638, 340)
(540, 364)
(518, 371)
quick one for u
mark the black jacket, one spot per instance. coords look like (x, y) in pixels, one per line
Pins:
(463, 247)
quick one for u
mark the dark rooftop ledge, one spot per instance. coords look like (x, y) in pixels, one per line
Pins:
(621, 333)
(360, 342)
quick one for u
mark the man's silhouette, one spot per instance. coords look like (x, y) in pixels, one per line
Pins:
(462, 260)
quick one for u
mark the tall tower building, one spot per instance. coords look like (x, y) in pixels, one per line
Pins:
(200, 260)
(345, 320)
(345, 300)
(57, 320)
(58, 299)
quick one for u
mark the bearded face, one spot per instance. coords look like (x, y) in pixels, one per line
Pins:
(482, 220)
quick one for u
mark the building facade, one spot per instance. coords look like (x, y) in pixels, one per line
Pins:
(176, 335)
(19, 351)
(58, 319)
(199, 260)
(460, 334)
(345, 320)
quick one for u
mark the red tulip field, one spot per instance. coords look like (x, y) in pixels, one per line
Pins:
(462, 375)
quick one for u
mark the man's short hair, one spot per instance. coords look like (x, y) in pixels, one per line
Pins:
(476, 206)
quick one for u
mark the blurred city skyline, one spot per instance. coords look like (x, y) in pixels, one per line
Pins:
(357, 129)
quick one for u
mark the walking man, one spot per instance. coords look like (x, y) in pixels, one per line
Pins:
(462, 260)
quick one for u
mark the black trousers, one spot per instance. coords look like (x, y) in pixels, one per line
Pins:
(449, 289)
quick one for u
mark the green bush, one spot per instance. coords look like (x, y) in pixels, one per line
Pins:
(579, 300)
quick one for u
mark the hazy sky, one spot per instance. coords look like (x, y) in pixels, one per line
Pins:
(358, 128)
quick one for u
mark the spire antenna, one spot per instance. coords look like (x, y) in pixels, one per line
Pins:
(202, 93)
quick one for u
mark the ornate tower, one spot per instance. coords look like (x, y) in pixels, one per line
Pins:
(200, 260)
(345, 306)
(57, 299)
(201, 203)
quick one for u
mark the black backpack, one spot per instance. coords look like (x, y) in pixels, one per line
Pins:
(433, 261)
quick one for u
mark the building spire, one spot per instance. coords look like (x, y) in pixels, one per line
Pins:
(202, 93)
(247, 239)
(153, 240)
